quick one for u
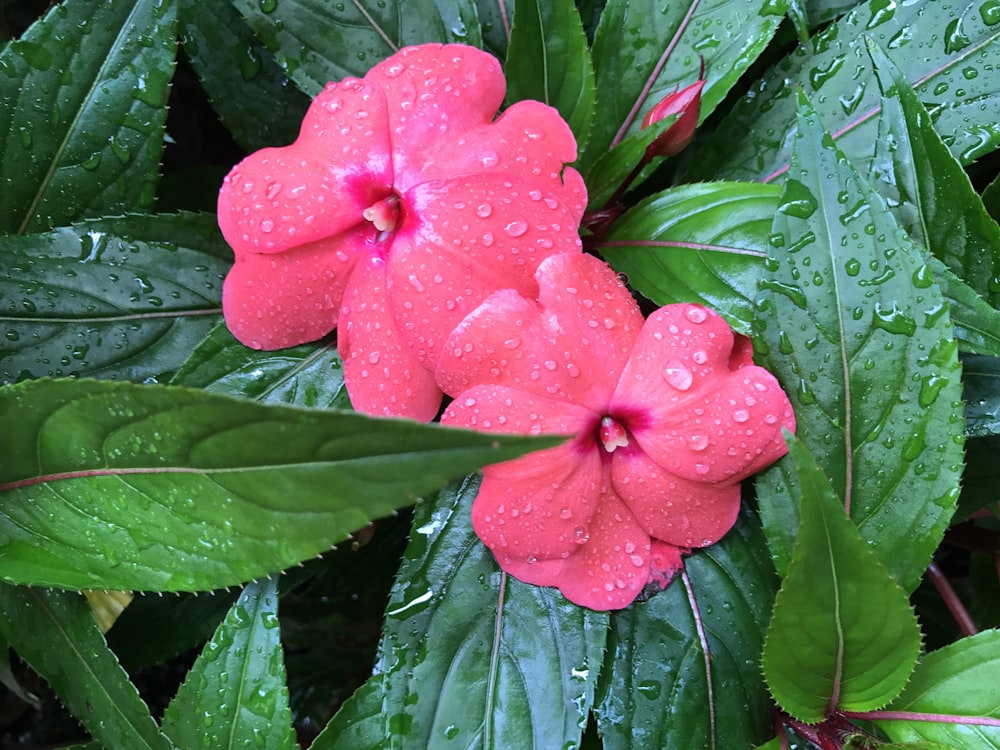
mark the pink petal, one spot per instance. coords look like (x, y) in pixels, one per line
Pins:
(610, 570)
(317, 187)
(666, 563)
(276, 301)
(539, 505)
(459, 241)
(381, 376)
(702, 421)
(571, 345)
(682, 512)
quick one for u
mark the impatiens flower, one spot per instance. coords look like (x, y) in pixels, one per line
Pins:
(668, 416)
(401, 206)
(687, 103)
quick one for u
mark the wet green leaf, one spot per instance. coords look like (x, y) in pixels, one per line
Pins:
(123, 486)
(697, 243)
(472, 656)
(957, 680)
(495, 17)
(643, 50)
(979, 481)
(843, 635)
(977, 324)
(124, 298)
(359, 724)
(311, 375)
(55, 633)
(316, 41)
(82, 109)
(655, 690)
(991, 198)
(859, 335)
(612, 169)
(249, 91)
(981, 376)
(548, 60)
(955, 81)
(926, 188)
(235, 694)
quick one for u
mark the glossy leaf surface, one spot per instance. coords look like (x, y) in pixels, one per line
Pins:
(235, 694)
(124, 298)
(981, 376)
(859, 334)
(317, 41)
(843, 635)
(657, 690)
(82, 108)
(697, 243)
(55, 632)
(120, 486)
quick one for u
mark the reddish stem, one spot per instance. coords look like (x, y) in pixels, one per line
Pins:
(954, 604)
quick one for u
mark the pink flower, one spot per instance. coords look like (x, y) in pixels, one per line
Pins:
(667, 415)
(399, 208)
(687, 103)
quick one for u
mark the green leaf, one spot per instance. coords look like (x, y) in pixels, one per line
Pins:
(981, 376)
(359, 724)
(472, 656)
(979, 482)
(124, 298)
(235, 694)
(613, 168)
(954, 79)
(956, 681)
(657, 666)
(843, 635)
(644, 49)
(122, 486)
(495, 19)
(548, 60)
(82, 109)
(316, 41)
(697, 243)
(853, 325)
(249, 91)
(55, 633)
(311, 375)
(977, 324)
(926, 188)
(991, 198)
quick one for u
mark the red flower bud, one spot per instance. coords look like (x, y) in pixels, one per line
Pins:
(686, 103)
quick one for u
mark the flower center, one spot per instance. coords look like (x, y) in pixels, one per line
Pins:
(384, 214)
(612, 434)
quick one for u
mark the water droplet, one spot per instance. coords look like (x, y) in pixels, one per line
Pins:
(677, 375)
(416, 283)
(268, 6)
(990, 12)
(853, 267)
(894, 320)
(267, 226)
(394, 70)
(955, 38)
(272, 190)
(698, 442)
(697, 314)
(741, 415)
(483, 210)
(516, 228)
(489, 159)
(566, 514)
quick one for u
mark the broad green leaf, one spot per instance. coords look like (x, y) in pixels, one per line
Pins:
(991, 198)
(125, 298)
(495, 17)
(843, 635)
(359, 724)
(311, 375)
(824, 11)
(235, 694)
(855, 328)
(697, 243)
(548, 60)
(55, 633)
(123, 486)
(656, 665)
(9, 680)
(643, 50)
(316, 41)
(977, 323)
(946, 50)
(82, 107)
(927, 190)
(249, 91)
(472, 656)
(956, 681)
(981, 376)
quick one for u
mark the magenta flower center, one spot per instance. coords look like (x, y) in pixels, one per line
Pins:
(613, 435)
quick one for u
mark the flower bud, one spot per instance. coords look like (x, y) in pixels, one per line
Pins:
(686, 103)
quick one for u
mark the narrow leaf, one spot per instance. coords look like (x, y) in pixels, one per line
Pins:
(952, 683)
(472, 656)
(310, 375)
(947, 51)
(926, 188)
(316, 41)
(613, 168)
(551, 32)
(977, 324)
(124, 298)
(656, 664)
(697, 243)
(82, 109)
(55, 633)
(495, 18)
(359, 724)
(235, 694)
(843, 635)
(981, 376)
(644, 49)
(859, 334)
(121, 486)
(249, 91)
